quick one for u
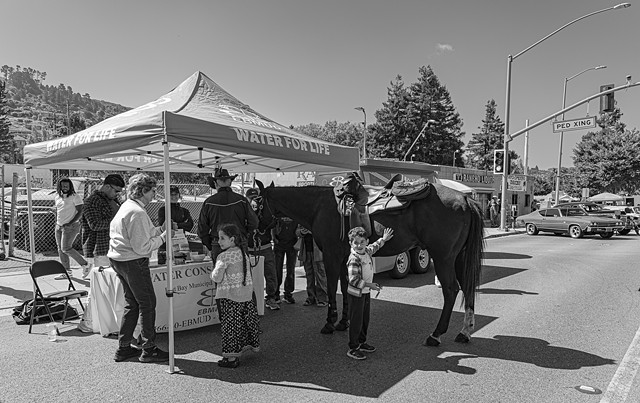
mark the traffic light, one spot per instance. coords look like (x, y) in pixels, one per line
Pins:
(498, 161)
(607, 102)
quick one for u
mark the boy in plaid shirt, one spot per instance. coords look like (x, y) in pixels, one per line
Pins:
(360, 271)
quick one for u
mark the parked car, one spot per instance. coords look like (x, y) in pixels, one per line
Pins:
(629, 211)
(588, 207)
(569, 220)
(630, 215)
(595, 209)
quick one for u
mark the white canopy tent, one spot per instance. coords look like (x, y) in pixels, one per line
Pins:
(193, 128)
(455, 185)
(605, 197)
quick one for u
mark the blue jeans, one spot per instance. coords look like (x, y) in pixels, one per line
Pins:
(140, 301)
(270, 276)
(65, 235)
(289, 280)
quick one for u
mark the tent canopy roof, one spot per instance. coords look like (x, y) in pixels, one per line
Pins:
(605, 197)
(455, 185)
(204, 126)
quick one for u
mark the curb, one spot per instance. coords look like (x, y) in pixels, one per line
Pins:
(505, 233)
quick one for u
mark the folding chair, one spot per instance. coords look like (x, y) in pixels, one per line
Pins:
(46, 268)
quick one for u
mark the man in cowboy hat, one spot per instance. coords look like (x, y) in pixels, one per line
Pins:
(224, 207)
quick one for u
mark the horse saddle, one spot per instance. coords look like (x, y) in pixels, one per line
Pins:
(399, 196)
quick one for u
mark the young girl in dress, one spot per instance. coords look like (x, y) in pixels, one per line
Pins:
(239, 316)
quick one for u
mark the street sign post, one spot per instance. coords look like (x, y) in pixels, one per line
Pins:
(574, 124)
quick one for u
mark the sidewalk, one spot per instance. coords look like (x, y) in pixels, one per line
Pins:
(16, 285)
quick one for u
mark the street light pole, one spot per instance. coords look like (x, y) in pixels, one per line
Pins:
(453, 164)
(564, 101)
(364, 136)
(507, 107)
(426, 125)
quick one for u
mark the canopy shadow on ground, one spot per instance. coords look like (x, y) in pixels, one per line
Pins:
(298, 356)
(488, 274)
(294, 353)
(504, 255)
(494, 273)
(19, 295)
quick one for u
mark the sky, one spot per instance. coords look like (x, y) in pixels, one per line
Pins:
(304, 61)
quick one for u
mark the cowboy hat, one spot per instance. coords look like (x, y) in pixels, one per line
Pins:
(219, 173)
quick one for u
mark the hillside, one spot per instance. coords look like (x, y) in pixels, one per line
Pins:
(38, 112)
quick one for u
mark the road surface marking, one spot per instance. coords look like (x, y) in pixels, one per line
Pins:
(622, 380)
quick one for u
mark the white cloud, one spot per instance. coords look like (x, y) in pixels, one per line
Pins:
(443, 47)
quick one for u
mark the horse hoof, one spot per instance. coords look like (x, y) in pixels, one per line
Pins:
(327, 329)
(342, 326)
(462, 338)
(431, 341)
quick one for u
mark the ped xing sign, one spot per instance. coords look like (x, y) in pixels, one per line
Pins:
(574, 124)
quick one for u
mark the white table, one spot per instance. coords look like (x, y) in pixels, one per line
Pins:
(193, 304)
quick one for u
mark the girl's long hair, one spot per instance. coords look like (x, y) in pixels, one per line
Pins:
(232, 230)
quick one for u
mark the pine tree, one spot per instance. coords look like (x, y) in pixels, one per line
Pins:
(406, 113)
(480, 147)
(6, 141)
(608, 160)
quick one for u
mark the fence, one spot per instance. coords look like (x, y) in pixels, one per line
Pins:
(15, 218)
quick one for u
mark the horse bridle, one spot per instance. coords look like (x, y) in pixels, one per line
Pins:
(262, 202)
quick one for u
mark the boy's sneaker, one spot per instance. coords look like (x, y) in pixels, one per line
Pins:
(277, 299)
(356, 354)
(86, 269)
(366, 348)
(322, 303)
(308, 302)
(153, 355)
(289, 299)
(271, 304)
(124, 353)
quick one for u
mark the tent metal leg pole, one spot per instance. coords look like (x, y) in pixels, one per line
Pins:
(167, 210)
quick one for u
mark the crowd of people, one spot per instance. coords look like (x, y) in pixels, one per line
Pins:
(120, 234)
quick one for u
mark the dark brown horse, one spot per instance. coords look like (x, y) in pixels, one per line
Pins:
(446, 222)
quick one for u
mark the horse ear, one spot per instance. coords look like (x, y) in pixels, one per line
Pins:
(272, 185)
(260, 186)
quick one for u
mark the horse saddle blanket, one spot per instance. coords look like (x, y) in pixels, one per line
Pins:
(400, 196)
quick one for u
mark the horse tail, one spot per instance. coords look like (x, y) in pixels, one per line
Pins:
(473, 249)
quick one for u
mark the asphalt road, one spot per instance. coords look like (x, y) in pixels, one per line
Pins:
(553, 314)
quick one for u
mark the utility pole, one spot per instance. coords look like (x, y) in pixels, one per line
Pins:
(68, 120)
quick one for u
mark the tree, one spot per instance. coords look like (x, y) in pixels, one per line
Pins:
(6, 141)
(608, 160)
(480, 147)
(542, 181)
(347, 134)
(77, 123)
(405, 114)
